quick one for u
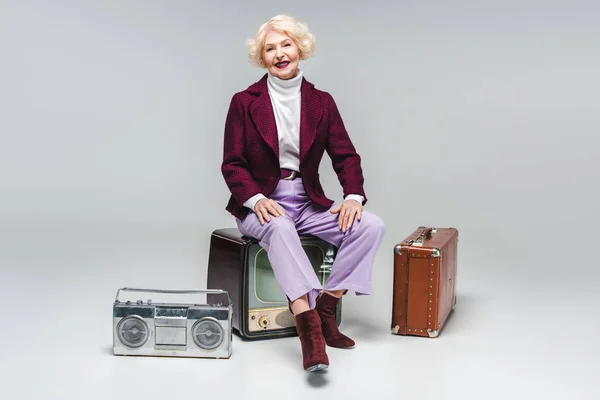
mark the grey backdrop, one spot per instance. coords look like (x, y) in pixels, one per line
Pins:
(481, 115)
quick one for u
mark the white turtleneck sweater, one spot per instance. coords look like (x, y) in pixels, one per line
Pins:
(285, 98)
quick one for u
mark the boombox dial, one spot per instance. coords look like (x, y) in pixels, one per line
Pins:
(264, 321)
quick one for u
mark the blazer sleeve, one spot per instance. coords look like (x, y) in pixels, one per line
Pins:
(235, 168)
(344, 158)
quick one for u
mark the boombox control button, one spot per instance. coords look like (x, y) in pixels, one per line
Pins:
(140, 302)
(264, 321)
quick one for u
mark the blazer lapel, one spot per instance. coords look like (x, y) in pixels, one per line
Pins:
(311, 112)
(263, 117)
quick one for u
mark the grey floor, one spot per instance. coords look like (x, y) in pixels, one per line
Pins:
(524, 327)
(480, 113)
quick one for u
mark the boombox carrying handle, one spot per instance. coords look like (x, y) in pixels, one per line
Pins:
(206, 291)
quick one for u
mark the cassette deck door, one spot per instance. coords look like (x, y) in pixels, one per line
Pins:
(171, 326)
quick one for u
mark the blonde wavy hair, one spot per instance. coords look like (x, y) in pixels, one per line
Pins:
(297, 31)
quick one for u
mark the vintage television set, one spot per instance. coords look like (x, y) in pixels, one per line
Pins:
(239, 265)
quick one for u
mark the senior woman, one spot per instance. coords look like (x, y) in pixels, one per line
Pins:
(276, 133)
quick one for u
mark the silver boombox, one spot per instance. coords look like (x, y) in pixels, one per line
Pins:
(172, 329)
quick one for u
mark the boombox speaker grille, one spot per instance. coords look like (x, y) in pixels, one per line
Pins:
(207, 333)
(133, 331)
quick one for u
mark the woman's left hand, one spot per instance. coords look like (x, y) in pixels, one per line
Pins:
(348, 210)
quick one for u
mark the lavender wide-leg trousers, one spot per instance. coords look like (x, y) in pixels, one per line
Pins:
(293, 271)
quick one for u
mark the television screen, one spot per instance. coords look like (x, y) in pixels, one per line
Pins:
(263, 290)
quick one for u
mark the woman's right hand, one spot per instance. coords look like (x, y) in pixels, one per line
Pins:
(266, 206)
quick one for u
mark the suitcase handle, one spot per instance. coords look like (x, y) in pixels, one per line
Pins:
(426, 233)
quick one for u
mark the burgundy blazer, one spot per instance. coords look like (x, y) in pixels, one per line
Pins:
(251, 146)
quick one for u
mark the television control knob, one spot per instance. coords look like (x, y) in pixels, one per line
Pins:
(140, 302)
(264, 321)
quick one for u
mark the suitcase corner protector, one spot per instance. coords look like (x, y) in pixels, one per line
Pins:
(432, 333)
(396, 329)
(398, 249)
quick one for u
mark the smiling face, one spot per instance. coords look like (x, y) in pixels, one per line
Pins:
(280, 55)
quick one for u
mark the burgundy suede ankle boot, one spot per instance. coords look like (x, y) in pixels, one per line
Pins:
(333, 337)
(308, 326)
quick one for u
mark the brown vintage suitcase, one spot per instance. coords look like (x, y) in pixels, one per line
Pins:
(425, 266)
